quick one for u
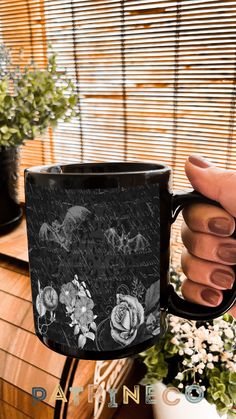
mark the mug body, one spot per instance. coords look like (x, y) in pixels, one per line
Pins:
(98, 237)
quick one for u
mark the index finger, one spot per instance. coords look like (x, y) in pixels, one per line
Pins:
(205, 218)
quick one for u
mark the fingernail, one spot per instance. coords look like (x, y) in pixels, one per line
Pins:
(222, 278)
(227, 253)
(210, 296)
(219, 225)
(199, 161)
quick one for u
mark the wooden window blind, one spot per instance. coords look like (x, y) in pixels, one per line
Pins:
(157, 79)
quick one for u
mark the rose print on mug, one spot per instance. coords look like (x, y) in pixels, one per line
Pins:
(126, 317)
(129, 314)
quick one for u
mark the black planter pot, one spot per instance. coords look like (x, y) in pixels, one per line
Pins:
(10, 210)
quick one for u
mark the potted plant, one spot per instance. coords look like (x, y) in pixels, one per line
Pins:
(202, 353)
(31, 100)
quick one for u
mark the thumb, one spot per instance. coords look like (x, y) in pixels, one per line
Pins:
(213, 182)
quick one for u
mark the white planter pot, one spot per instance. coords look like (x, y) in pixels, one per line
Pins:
(183, 408)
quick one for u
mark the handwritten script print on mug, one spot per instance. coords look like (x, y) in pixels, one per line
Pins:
(94, 259)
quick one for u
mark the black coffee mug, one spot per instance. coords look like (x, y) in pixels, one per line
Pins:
(99, 238)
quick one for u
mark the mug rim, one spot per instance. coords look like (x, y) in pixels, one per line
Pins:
(151, 167)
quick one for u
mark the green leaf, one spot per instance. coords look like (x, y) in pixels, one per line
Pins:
(7, 136)
(232, 392)
(41, 97)
(224, 377)
(232, 378)
(72, 100)
(4, 129)
(215, 372)
(7, 100)
(13, 130)
(170, 348)
(225, 399)
(228, 346)
(228, 318)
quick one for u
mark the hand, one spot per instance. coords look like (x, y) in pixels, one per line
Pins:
(210, 251)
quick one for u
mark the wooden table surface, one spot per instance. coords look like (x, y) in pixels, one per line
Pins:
(24, 361)
(14, 244)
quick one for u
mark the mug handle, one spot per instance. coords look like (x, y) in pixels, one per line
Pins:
(177, 305)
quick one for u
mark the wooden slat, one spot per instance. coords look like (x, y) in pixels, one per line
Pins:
(22, 401)
(14, 244)
(24, 361)
(24, 375)
(16, 284)
(21, 313)
(8, 411)
(83, 377)
(32, 351)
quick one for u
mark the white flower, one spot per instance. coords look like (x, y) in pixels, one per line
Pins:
(174, 319)
(224, 356)
(210, 365)
(202, 347)
(202, 333)
(215, 339)
(202, 351)
(224, 324)
(190, 342)
(175, 328)
(179, 376)
(180, 385)
(186, 327)
(201, 365)
(215, 348)
(231, 366)
(195, 358)
(175, 341)
(209, 357)
(229, 333)
(188, 351)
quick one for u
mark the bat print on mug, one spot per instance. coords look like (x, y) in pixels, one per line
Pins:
(98, 237)
(125, 243)
(63, 233)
